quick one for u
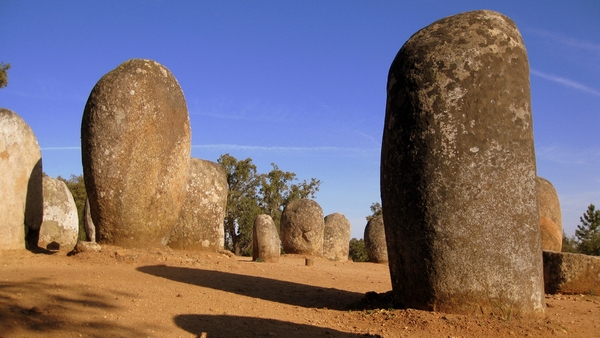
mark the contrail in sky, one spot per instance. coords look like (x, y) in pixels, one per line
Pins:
(565, 82)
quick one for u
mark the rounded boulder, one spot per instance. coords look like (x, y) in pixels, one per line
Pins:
(550, 215)
(375, 240)
(21, 206)
(135, 144)
(265, 240)
(336, 237)
(301, 227)
(60, 228)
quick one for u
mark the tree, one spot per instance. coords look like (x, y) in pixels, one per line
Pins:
(588, 233)
(251, 194)
(375, 210)
(358, 252)
(569, 244)
(4, 67)
(76, 186)
(276, 191)
(242, 201)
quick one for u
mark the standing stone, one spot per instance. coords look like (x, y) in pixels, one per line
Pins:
(88, 223)
(21, 207)
(60, 227)
(550, 215)
(200, 224)
(375, 240)
(336, 237)
(458, 170)
(302, 228)
(265, 240)
(135, 144)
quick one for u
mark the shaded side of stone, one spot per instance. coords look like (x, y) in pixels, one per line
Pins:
(550, 215)
(60, 228)
(458, 170)
(135, 143)
(88, 223)
(200, 224)
(302, 227)
(265, 240)
(336, 237)
(21, 205)
(375, 243)
(570, 273)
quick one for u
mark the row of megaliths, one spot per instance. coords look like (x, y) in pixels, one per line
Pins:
(458, 171)
(144, 190)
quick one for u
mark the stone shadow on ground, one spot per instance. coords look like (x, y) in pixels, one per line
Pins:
(259, 287)
(55, 314)
(226, 326)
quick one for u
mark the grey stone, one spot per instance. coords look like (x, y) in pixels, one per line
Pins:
(550, 215)
(336, 237)
(135, 145)
(458, 170)
(88, 223)
(200, 224)
(21, 207)
(570, 273)
(265, 240)
(301, 228)
(375, 240)
(60, 227)
(83, 246)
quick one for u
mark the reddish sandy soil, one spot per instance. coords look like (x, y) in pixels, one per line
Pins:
(164, 293)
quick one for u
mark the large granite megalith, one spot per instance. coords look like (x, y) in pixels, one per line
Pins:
(200, 223)
(458, 170)
(375, 243)
(21, 207)
(135, 145)
(302, 227)
(336, 237)
(60, 228)
(265, 240)
(550, 215)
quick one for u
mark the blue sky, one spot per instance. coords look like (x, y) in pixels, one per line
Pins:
(298, 83)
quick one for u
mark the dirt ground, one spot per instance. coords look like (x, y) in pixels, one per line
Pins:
(165, 293)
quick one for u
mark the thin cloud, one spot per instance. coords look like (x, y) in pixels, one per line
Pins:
(566, 82)
(590, 156)
(568, 41)
(279, 149)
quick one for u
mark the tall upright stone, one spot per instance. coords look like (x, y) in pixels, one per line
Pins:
(135, 144)
(302, 227)
(375, 243)
(21, 206)
(550, 215)
(88, 223)
(200, 224)
(60, 227)
(265, 240)
(458, 170)
(336, 237)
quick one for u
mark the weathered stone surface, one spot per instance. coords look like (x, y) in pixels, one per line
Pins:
(265, 240)
(200, 224)
(301, 228)
(21, 207)
(375, 240)
(88, 223)
(60, 226)
(135, 144)
(458, 170)
(550, 215)
(82, 246)
(571, 273)
(336, 237)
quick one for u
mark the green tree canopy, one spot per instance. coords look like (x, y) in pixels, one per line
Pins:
(375, 211)
(4, 67)
(251, 194)
(358, 252)
(588, 233)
